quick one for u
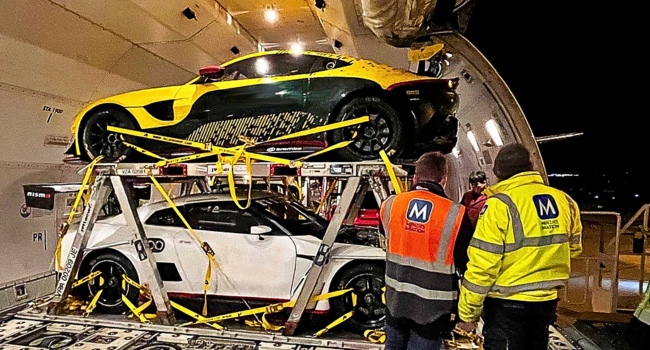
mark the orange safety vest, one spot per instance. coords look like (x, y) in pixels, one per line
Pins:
(421, 229)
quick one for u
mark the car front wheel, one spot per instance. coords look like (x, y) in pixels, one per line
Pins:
(112, 267)
(98, 140)
(367, 280)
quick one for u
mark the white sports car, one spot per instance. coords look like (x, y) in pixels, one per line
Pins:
(265, 251)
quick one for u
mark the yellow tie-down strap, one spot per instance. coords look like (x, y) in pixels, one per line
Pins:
(194, 315)
(273, 308)
(216, 150)
(137, 311)
(66, 225)
(374, 336)
(88, 278)
(232, 155)
(397, 184)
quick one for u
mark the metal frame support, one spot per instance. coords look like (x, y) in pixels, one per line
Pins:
(322, 256)
(98, 197)
(356, 205)
(129, 207)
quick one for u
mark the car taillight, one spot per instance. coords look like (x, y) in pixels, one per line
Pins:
(283, 170)
(174, 170)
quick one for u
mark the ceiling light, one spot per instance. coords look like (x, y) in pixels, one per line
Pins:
(456, 152)
(296, 49)
(262, 66)
(229, 19)
(271, 15)
(472, 140)
(493, 130)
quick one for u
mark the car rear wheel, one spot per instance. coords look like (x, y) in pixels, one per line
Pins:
(367, 280)
(112, 267)
(98, 140)
(384, 131)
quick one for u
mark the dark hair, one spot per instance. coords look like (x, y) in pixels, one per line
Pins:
(431, 166)
(477, 176)
(512, 160)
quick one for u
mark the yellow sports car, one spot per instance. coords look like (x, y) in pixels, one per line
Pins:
(269, 94)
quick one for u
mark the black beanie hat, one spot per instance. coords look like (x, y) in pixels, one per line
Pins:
(512, 160)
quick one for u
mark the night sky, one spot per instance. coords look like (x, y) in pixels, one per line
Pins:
(569, 71)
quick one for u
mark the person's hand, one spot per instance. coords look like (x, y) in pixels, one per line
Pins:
(467, 326)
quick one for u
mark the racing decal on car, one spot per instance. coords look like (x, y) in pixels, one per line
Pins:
(262, 127)
(283, 149)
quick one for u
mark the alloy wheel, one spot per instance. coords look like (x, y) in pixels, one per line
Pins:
(370, 311)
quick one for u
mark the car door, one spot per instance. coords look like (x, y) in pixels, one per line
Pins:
(250, 265)
(260, 97)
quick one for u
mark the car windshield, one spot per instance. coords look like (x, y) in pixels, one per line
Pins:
(296, 219)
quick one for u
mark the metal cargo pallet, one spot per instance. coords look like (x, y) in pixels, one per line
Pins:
(181, 334)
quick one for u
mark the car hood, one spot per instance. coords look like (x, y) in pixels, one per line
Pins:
(308, 245)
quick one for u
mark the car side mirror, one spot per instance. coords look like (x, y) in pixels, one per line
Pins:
(260, 229)
(212, 72)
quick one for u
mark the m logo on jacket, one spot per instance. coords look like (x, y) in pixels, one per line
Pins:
(419, 211)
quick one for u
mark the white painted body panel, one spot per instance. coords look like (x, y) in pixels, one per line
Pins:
(269, 268)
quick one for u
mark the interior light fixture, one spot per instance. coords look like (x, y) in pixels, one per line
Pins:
(271, 15)
(472, 140)
(262, 66)
(229, 19)
(296, 49)
(456, 152)
(493, 130)
(260, 48)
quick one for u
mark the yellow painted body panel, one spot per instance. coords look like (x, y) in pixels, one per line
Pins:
(184, 96)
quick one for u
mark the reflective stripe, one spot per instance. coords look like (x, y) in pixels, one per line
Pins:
(572, 210)
(543, 285)
(424, 279)
(475, 287)
(437, 267)
(447, 230)
(487, 246)
(388, 206)
(517, 226)
(576, 239)
(521, 240)
(539, 241)
(419, 291)
(507, 291)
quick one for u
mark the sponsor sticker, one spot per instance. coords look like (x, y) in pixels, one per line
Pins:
(483, 210)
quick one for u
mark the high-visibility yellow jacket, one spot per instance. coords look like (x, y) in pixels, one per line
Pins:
(525, 238)
(643, 311)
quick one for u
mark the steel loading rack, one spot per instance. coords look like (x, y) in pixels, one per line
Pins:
(359, 178)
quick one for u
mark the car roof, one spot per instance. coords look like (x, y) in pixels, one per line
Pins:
(242, 196)
(278, 52)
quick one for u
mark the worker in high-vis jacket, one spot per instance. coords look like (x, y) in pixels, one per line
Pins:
(421, 285)
(519, 256)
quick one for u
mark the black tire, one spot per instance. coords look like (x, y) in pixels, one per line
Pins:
(112, 266)
(367, 280)
(384, 131)
(96, 140)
